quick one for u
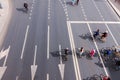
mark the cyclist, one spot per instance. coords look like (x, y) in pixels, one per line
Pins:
(25, 6)
(66, 51)
(81, 50)
(92, 52)
(96, 33)
(106, 78)
(104, 35)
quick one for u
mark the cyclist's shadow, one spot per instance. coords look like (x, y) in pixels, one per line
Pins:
(22, 10)
(86, 36)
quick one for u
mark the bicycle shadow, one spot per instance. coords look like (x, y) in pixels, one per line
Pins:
(22, 10)
(86, 36)
(57, 53)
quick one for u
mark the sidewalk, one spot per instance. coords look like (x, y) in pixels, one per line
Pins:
(115, 4)
(4, 11)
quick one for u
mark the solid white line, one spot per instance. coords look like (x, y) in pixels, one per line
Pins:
(96, 22)
(48, 39)
(47, 76)
(107, 2)
(35, 55)
(76, 67)
(98, 50)
(24, 41)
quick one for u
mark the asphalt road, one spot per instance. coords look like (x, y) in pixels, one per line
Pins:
(34, 40)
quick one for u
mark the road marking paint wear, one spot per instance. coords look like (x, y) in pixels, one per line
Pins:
(75, 61)
(26, 34)
(97, 50)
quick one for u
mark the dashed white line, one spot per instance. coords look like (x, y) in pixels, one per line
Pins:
(49, 10)
(30, 14)
(30, 18)
(98, 10)
(83, 11)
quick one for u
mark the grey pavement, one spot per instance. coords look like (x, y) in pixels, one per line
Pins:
(34, 39)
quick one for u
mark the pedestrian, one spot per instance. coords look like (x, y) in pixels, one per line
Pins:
(77, 2)
(92, 52)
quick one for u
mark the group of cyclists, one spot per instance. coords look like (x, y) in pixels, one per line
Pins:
(102, 36)
(81, 51)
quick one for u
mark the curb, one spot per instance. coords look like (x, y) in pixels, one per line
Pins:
(114, 8)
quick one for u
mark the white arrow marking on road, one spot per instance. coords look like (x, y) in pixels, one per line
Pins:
(34, 67)
(2, 71)
(4, 54)
(61, 65)
(48, 39)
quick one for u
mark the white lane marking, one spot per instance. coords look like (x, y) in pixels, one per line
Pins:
(2, 71)
(34, 67)
(98, 50)
(112, 35)
(48, 39)
(4, 54)
(35, 55)
(75, 61)
(29, 17)
(31, 10)
(65, 8)
(17, 77)
(107, 2)
(26, 34)
(30, 14)
(96, 22)
(98, 10)
(49, 10)
(61, 65)
(83, 11)
(47, 76)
